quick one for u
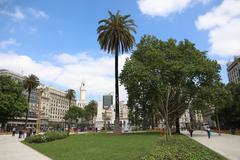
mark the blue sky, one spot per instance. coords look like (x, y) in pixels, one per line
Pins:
(57, 40)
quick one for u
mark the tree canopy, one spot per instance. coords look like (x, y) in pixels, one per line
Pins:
(163, 78)
(12, 101)
(229, 114)
(91, 110)
(30, 82)
(70, 95)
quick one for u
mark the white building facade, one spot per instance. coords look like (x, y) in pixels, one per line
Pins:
(54, 105)
(82, 101)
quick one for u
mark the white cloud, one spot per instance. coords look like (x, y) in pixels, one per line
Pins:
(38, 14)
(222, 61)
(18, 63)
(223, 24)
(98, 73)
(33, 29)
(164, 8)
(16, 15)
(6, 43)
(22, 13)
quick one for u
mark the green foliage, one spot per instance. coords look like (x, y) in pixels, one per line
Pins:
(47, 137)
(90, 110)
(163, 78)
(73, 113)
(229, 114)
(12, 101)
(31, 82)
(115, 33)
(70, 95)
(181, 148)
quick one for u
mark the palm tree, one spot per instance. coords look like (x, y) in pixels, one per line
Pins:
(30, 83)
(70, 95)
(115, 36)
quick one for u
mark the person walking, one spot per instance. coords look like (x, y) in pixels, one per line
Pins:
(20, 133)
(13, 131)
(209, 132)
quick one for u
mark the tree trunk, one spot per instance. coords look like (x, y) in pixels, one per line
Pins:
(26, 118)
(218, 123)
(117, 129)
(68, 127)
(177, 126)
(3, 126)
(191, 120)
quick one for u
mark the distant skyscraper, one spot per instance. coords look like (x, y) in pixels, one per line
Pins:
(82, 101)
(107, 101)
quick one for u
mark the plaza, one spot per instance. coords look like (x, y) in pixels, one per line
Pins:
(116, 80)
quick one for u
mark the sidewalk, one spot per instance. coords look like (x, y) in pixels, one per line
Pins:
(12, 149)
(226, 145)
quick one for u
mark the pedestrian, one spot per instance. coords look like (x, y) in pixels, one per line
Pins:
(13, 131)
(191, 132)
(34, 131)
(208, 132)
(20, 133)
(31, 131)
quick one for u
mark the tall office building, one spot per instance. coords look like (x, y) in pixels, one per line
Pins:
(233, 69)
(34, 100)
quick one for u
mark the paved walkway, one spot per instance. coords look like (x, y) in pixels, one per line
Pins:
(12, 149)
(226, 145)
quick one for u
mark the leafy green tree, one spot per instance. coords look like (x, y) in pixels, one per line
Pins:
(72, 115)
(229, 115)
(115, 36)
(215, 97)
(70, 95)
(12, 101)
(163, 78)
(30, 83)
(91, 111)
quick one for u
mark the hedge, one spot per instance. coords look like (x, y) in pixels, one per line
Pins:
(47, 137)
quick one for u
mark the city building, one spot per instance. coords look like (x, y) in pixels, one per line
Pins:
(106, 113)
(54, 105)
(197, 117)
(233, 69)
(34, 100)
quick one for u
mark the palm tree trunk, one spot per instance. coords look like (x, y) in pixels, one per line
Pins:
(117, 129)
(26, 118)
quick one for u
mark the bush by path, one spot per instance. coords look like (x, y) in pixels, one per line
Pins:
(47, 137)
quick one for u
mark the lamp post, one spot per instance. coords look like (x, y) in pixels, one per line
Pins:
(40, 91)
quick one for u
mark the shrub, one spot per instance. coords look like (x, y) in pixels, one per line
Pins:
(47, 137)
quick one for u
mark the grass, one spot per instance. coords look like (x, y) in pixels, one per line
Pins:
(182, 148)
(145, 146)
(99, 147)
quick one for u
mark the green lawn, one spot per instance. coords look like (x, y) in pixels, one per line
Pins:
(147, 146)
